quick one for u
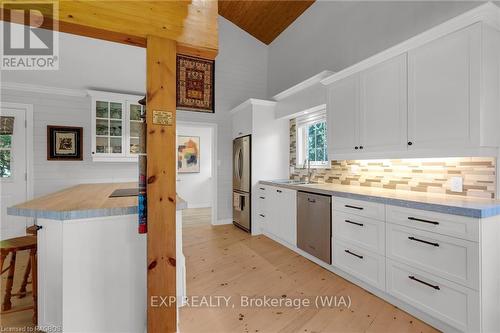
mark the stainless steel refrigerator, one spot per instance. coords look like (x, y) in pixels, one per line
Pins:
(242, 182)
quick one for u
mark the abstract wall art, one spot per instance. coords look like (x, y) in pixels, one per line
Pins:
(188, 154)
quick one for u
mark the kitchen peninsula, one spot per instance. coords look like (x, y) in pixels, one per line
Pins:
(91, 259)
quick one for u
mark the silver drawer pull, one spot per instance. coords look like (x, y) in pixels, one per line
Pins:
(422, 241)
(411, 277)
(354, 254)
(356, 223)
(354, 207)
(423, 221)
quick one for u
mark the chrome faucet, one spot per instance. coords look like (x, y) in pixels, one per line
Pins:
(307, 164)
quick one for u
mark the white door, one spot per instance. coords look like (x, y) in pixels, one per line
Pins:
(443, 91)
(343, 116)
(13, 169)
(383, 106)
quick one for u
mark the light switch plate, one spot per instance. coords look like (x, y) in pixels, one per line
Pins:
(457, 184)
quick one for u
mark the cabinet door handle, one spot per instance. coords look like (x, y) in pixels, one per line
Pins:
(423, 221)
(356, 223)
(354, 207)
(262, 188)
(311, 200)
(262, 215)
(279, 191)
(356, 147)
(422, 241)
(38, 227)
(411, 277)
(410, 143)
(354, 254)
(360, 147)
(262, 197)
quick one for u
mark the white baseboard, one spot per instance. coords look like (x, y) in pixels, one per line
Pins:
(223, 221)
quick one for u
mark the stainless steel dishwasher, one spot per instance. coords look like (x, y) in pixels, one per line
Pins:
(314, 225)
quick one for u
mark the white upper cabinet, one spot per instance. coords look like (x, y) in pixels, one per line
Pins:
(343, 116)
(383, 106)
(116, 123)
(435, 98)
(367, 111)
(444, 91)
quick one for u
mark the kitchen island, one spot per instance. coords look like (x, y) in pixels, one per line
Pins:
(91, 259)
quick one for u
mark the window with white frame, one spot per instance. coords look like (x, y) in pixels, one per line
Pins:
(312, 139)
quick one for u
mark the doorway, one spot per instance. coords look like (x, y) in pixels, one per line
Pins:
(197, 183)
(16, 156)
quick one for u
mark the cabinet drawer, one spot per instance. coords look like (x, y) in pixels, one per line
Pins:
(451, 258)
(362, 231)
(359, 207)
(452, 303)
(446, 224)
(360, 263)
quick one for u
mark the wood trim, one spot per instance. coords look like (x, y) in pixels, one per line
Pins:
(161, 190)
(112, 36)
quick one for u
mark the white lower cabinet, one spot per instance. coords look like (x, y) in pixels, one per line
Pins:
(360, 263)
(360, 231)
(281, 214)
(454, 259)
(441, 298)
(443, 268)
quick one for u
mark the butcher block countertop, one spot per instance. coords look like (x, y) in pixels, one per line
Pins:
(82, 201)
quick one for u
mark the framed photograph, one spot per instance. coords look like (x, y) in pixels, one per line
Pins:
(195, 84)
(64, 143)
(188, 154)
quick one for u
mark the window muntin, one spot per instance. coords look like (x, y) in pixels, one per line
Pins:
(312, 140)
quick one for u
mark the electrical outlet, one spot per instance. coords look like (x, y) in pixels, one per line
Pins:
(457, 184)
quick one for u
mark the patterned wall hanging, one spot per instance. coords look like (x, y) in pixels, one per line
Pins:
(195, 84)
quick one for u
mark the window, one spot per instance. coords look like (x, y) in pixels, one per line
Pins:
(312, 140)
(6, 131)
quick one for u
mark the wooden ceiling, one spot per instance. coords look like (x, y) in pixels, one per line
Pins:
(264, 20)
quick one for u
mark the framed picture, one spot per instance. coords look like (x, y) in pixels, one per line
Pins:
(188, 154)
(64, 143)
(195, 84)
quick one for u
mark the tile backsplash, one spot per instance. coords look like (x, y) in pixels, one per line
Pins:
(420, 175)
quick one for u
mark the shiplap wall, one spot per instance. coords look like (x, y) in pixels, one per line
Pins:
(50, 176)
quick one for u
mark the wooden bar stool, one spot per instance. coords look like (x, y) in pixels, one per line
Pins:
(13, 246)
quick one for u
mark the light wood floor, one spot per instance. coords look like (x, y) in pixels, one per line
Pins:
(225, 261)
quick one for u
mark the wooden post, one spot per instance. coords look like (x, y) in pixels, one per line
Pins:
(161, 192)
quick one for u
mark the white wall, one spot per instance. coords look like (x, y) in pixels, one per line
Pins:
(197, 188)
(240, 73)
(50, 176)
(332, 35)
(85, 63)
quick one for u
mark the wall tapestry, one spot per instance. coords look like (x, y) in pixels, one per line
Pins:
(195, 84)
(64, 143)
(188, 154)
